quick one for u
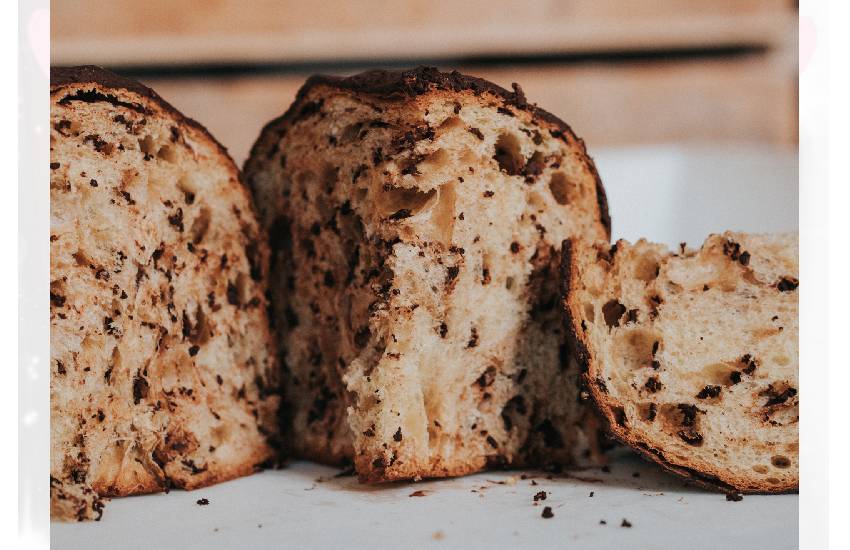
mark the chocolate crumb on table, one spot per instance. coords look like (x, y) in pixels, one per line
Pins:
(591, 494)
(603, 522)
(734, 497)
(547, 513)
(203, 501)
(541, 495)
(419, 493)
(626, 523)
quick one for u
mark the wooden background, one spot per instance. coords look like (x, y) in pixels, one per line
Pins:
(620, 72)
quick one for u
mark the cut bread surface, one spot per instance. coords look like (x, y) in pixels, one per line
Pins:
(162, 366)
(415, 221)
(692, 356)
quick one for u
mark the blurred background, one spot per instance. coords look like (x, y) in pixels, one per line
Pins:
(620, 72)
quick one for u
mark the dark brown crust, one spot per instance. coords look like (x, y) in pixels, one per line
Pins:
(67, 77)
(568, 269)
(408, 84)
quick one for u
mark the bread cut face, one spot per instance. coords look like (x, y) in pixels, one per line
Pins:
(162, 366)
(415, 222)
(692, 355)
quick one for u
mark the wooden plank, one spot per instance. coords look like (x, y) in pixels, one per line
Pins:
(165, 32)
(743, 100)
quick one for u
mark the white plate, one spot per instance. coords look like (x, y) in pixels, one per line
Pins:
(665, 194)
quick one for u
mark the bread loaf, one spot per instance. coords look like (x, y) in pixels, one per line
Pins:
(415, 220)
(692, 356)
(162, 367)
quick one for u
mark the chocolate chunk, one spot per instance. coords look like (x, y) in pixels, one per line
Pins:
(787, 284)
(473, 338)
(487, 377)
(689, 413)
(452, 273)
(397, 435)
(547, 512)
(653, 384)
(57, 300)
(401, 214)
(709, 391)
(776, 397)
(140, 389)
(652, 412)
(750, 363)
(690, 436)
(735, 376)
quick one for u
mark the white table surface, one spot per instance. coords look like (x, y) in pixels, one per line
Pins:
(666, 194)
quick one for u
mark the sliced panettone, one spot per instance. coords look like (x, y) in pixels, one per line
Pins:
(692, 356)
(162, 365)
(415, 220)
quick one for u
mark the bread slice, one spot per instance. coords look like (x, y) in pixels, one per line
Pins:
(692, 355)
(162, 365)
(415, 220)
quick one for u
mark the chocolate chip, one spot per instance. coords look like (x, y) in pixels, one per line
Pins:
(397, 435)
(400, 214)
(787, 284)
(652, 412)
(777, 398)
(193, 351)
(140, 389)
(709, 391)
(690, 436)
(735, 376)
(452, 273)
(653, 384)
(487, 377)
(473, 338)
(547, 512)
(474, 131)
